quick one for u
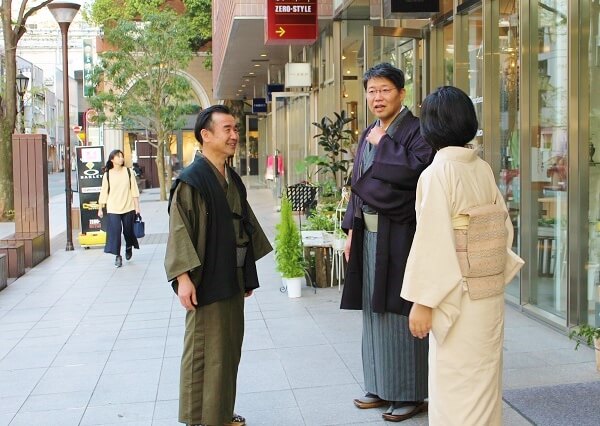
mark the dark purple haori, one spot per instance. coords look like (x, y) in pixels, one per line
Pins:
(388, 187)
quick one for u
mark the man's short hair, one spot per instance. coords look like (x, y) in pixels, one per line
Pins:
(385, 70)
(448, 118)
(205, 121)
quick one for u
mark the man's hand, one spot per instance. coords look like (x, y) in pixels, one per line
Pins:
(375, 135)
(248, 293)
(419, 320)
(347, 245)
(186, 291)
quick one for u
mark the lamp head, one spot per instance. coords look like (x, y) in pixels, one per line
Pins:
(64, 13)
(22, 82)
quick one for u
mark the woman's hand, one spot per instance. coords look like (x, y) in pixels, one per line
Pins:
(100, 213)
(419, 320)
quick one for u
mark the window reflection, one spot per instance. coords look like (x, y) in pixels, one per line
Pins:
(549, 159)
(593, 266)
(509, 180)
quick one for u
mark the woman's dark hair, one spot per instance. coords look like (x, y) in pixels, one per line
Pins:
(113, 154)
(204, 119)
(448, 118)
(385, 70)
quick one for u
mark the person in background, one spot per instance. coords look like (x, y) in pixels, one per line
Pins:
(121, 198)
(213, 245)
(458, 288)
(380, 221)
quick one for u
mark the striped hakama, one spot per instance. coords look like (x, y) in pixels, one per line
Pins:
(389, 351)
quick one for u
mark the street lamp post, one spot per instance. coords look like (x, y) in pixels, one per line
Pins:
(63, 14)
(22, 82)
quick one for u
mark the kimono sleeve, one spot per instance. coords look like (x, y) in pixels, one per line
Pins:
(401, 162)
(432, 270)
(260, 243)
(183, 246)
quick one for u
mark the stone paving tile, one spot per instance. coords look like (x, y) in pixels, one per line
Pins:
(5, 418)
(11, 404)
(56, 401)
(118, 414)
(68, 417)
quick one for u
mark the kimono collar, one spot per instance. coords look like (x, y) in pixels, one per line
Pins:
(456, 153)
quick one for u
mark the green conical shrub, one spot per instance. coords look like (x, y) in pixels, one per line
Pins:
(288, 244)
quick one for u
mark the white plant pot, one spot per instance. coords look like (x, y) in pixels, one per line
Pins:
(294, 287)
(338, 244)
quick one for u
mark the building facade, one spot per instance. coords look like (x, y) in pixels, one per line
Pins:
(531, 69)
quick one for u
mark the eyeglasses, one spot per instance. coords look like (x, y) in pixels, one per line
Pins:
(384, 92)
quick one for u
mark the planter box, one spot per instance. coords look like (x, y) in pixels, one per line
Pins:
(318, 261)
(3, 271)
(15, 257)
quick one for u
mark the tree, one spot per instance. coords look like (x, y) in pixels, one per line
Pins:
(139, 80)
(198, 13)
(13, 29)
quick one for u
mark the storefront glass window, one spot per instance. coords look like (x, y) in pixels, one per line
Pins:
(448, 55)
(475, 72)
(509, 180)
(549, 162)
(593, 267)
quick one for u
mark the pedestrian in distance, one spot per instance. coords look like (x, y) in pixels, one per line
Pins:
(213, 245)
(121, 198)
(380, 221)
(458, 266)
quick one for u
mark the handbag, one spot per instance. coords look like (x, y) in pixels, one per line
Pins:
(139, 227)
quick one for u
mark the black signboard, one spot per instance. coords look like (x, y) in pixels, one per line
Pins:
(90, 160)
(274, 88)
(415, 6)
(259, 105)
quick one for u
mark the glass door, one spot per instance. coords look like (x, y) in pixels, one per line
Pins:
(291, 136)
(403, 48)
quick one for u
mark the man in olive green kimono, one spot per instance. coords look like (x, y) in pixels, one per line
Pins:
(214, 242)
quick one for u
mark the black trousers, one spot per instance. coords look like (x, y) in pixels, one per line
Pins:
(115, 223)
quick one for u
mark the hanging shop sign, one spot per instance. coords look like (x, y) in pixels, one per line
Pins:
(291, 22)
(415, 8)
(297, 74)
(88, 67)
(274, 88)
(259, 105)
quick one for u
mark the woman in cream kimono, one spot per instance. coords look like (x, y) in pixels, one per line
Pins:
(462, 307)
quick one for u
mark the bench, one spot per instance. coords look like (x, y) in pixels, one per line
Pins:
(3, 271)
(15, 257)
(34, 246)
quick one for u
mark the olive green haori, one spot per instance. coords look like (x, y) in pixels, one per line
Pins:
(213, 332)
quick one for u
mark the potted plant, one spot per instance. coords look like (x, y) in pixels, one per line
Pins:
(288, 251)
(591, 336)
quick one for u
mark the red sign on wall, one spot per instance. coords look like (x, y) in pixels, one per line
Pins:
(291, 22)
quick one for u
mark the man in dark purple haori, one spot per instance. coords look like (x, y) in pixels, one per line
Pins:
(380, 221)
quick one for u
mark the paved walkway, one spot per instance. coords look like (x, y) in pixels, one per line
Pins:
(84, 343)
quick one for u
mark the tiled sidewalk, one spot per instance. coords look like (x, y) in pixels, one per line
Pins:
(84, 343)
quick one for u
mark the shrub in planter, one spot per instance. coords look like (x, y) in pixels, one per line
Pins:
(288, 244)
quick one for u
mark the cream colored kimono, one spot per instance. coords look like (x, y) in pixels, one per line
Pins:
(465, 346)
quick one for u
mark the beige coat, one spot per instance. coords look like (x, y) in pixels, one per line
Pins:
(465, 355)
